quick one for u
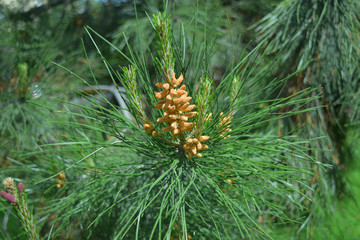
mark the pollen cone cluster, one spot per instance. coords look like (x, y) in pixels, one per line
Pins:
(149, 128)
(224, 125)
(194, 145)
(60, 182)
(176, 107)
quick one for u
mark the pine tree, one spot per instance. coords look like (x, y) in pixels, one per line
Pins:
(324, 32)
(201, 167)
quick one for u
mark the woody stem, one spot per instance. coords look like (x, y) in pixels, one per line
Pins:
(181, 151)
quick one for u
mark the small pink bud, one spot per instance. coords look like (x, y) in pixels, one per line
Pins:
(3, 194)
(10, 198)
(21, 187)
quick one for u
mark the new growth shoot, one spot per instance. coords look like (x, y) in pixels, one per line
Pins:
(17, 199)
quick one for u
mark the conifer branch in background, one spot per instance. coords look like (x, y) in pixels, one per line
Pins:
(325, 32)
(17, 199)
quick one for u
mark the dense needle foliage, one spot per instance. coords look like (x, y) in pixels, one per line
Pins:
(180, 126)
(326, 32)
(162, 191)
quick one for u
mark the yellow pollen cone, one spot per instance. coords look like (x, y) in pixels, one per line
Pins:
(203, 138)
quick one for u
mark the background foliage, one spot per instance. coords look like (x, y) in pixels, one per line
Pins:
(269, 169)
